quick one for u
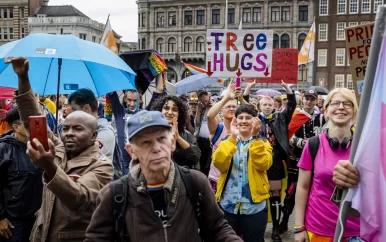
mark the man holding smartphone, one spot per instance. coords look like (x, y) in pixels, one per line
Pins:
(74, 171)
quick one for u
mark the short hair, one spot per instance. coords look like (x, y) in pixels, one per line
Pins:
(347, 94)
(278, 99)
(203, 93)
(82, 97)
(13, 116)
(246, 108)
(266, 98)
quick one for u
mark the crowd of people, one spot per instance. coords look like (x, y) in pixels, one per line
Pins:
(184, 168)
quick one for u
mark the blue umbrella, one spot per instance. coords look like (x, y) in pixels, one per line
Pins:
(194, 83)
(62, 64)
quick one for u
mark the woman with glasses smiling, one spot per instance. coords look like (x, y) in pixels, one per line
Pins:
(315, 213)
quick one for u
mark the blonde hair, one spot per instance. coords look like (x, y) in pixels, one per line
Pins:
(347, 94)
(268, 98)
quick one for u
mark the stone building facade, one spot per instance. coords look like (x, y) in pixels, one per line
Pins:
(14, 18)
(177, 28)
(331, 58)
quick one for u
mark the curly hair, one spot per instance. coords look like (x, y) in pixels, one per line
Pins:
(182, 110)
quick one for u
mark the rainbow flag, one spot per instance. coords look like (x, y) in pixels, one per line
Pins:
(197, 70)
(368, 198)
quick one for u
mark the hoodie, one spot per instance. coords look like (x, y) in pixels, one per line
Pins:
(106, 138)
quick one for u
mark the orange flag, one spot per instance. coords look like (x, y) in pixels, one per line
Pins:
(108, 38)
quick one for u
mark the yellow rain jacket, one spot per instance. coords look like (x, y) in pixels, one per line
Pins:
(259, 161)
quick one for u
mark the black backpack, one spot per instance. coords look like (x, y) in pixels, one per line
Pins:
(121, 197)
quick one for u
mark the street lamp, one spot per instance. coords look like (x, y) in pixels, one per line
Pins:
(301, 70)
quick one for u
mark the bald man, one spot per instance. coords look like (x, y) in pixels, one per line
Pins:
(74, 171)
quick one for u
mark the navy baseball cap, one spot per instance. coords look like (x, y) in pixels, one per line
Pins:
(311, 92)
(145, 119)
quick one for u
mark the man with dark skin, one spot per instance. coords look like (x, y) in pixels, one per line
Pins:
(74, 171)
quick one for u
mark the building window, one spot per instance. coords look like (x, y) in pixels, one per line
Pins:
(188, 18)
(11, 33)
(353, 6)
(376, 4)
(172, 18)
(22, 31)
(231, 15)
(161, 19)
(5, 31)
(285, 14)
(256, 17)
(285, 41)
(139, 20)
(22, 13)
(188, 44)
(1, 34)
(246, 15)
(366, 6)
(83, 36)
(340, 30)
(322, 57)
(200, 44)
(94, 39)
(11, 13)
(350, 84)
(275, 14)
(365, 22)
(340, 56)
(200, 17)
(172, 45)
(215, 16)
(5, 13)
(160, 45)
(323, 8)
(276, 43)
(342, 6)
(303, 13)
(339, 80)
(301, 39)
(322, 35)
(143, 19)
(352, 24)
(143, 42)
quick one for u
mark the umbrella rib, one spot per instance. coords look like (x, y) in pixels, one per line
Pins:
(48, 74)
(91, 78)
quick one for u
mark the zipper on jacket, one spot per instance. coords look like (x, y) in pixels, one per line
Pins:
(166, 232)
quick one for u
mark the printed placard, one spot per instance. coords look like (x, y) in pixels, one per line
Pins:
(239, 53)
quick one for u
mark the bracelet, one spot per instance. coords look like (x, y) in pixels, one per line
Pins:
(298, 230)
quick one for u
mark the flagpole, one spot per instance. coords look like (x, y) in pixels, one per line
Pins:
(308, 55)
(108, 18)
(376, 44)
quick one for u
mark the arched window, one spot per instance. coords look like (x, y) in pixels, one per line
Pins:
(186, 74)
(160, 45)
(143, 44)
(200, 44)
(276, 41)
(172, 43)
(301, 39)
(285, 41)
(188, 44)
(171, 75)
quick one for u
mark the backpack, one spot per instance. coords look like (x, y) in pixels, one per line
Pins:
(121, 197)
(313, 145)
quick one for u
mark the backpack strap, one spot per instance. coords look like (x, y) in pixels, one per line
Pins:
(191, 189)
(120, 195)
(313, 146)
(218, 132)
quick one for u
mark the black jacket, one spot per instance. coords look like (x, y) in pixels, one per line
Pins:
(282, 150)
(21, 183)
(187, 157)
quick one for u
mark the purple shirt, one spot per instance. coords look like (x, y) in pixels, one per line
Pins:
(321, 213)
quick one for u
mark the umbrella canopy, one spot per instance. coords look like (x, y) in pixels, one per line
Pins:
(268, 92)
(320, 90)
(84, 64)
(6, 92)
(194, 83)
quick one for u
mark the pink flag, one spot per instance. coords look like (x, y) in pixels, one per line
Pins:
(369, 197)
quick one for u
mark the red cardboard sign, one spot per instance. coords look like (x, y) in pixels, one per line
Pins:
(284, 67)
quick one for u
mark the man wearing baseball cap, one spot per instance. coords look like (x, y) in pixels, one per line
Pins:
(305, 124)
(156, 203)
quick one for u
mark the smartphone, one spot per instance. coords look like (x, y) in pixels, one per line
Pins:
(38, 130)
(238, 82)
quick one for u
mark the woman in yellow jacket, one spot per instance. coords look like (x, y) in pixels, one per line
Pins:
(243, 188)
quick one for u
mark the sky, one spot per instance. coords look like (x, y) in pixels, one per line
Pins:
(123, 14)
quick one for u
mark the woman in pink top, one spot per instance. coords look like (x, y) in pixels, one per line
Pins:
(315, 213)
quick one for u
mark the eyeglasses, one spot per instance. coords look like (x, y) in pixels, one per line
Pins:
(231, 107)
(346, 104)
